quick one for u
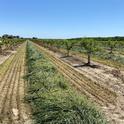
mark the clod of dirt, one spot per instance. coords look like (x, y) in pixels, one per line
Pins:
(29, 122)
(15, 112)
(116, 73)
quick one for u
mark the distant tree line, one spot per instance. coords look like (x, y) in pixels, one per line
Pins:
(116, 38)
(10, 36)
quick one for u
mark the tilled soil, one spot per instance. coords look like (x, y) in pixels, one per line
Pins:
(98, 84)
(5, 56)
(13, 110)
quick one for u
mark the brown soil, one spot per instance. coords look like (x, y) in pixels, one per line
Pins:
(3, 58)
(6, 54)
(13, 110)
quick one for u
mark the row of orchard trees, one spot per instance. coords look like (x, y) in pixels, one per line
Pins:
(88, 45)
(6, 44)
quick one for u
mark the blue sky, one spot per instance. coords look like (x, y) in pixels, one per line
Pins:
(62, 18)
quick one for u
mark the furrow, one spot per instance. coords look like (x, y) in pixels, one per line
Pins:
(98, 92)
(7, 93)
(10, 94)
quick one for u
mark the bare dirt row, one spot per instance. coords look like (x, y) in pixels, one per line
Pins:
(6, 55)
(108, 99)
(13, 110)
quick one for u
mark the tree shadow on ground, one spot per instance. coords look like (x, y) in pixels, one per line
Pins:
(80, 65)
(86, 65)
(70, 57)
(65, 57)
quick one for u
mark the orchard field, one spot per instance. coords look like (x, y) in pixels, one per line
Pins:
(61, 81)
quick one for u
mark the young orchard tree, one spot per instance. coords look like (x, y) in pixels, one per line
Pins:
(16, 42)
(42, 42)
(112, 45)
(11, 42)
(6, 43)
(1, 43)
(68, 44)
(120, 46)
(50, 44)
(57, 45)
(90, 46)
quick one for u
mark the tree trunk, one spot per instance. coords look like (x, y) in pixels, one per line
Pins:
(89, 56)
(68, 53)
(1, 49)
(111, 50)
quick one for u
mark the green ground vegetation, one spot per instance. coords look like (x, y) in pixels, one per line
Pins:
(52, 99)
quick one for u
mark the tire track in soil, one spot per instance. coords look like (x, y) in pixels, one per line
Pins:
(99, 75)
(13, 102)
(4, 79)
(9, 85)
(25, 114)
(12, 91)
(6, 111)
(6, 82)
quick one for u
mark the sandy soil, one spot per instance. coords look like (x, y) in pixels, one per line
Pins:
(7, 54)
(13, 110)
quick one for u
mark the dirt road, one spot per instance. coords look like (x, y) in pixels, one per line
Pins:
(13, 110)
